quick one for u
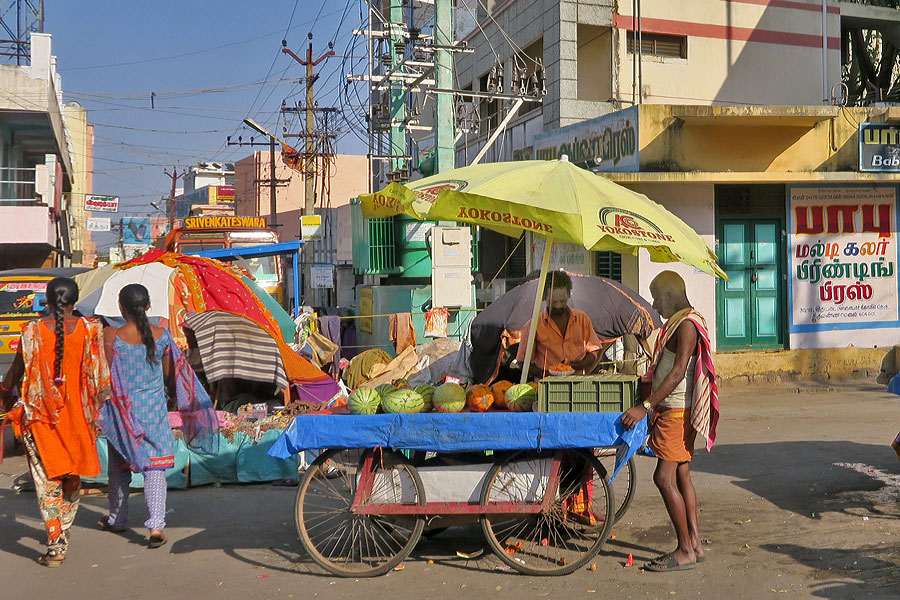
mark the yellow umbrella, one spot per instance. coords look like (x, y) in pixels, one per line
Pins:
(553, 199)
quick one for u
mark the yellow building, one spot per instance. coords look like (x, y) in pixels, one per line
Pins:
(81, 143)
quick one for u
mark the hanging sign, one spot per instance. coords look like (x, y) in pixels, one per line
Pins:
(321, 276)
(101, 203)
(98, 224)
(311, 227)
(879, 147)
(843, 258)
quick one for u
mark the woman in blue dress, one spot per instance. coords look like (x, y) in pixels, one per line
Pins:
(147, 369)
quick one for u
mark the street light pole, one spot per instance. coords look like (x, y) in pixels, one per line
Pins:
(273, 208)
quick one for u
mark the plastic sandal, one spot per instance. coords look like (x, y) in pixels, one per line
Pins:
(51, 558)
(103, 525)
(155, 541)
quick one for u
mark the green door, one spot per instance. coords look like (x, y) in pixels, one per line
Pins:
(749, 304)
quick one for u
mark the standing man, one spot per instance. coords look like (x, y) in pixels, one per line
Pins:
(564, 335)
(684, 402)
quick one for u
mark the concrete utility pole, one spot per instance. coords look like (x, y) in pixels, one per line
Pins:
(444, 109)
(309, 171)
(174, 176)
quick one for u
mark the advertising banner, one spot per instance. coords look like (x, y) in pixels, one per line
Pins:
(843, 258)
(98, 224)
(101, 203)
(137, 230)
(879, 147)
(607, 143)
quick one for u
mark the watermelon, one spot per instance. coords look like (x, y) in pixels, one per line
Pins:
(449, 398)
(364, 401)
(427, 393)
(403, 401)
(520, 398)
(386, 388)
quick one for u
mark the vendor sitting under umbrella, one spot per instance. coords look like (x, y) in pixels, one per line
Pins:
(564, 336)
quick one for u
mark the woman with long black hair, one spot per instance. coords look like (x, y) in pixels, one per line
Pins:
(145, 364)
(65, 380)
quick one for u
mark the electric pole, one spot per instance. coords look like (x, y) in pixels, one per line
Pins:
(174, 176)
(272, 181)
(310, 154)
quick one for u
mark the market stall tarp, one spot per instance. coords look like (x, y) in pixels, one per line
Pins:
(239, 460)
(614, 309)
(461, 432)
(232, 346)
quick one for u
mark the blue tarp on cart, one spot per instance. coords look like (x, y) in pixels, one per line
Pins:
(462, 432)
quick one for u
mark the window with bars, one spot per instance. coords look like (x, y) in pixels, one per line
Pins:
(658, 44)
(609, 265)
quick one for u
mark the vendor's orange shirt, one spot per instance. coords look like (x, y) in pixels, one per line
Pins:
(551, 348)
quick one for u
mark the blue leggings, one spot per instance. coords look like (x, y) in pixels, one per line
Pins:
(119, 482)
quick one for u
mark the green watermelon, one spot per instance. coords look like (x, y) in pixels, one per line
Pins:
(520, 398)
(386, 388)
(449, 398)
(364, 401)
(403, 401)
(427, 393)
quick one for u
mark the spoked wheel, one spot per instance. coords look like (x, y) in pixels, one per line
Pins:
(624, 483)
(568, 532)
(350, 544)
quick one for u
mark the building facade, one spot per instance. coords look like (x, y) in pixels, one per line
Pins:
(81, 135)
(36, 163)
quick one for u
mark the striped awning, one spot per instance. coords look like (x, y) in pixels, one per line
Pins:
(232, 346)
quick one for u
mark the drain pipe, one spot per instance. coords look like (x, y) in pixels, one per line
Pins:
(825, 90)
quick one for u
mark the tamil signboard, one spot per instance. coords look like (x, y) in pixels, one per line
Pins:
(879, 147)
(843, 258)
(607, 143)
(101, 203)
(98, 224)
(321, 276)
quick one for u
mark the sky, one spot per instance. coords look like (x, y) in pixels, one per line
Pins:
(207, 65)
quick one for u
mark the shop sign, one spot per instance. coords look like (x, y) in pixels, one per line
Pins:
(879, 147)
(224, 222)
(98, 224)
(321, 276)
(607, 143)
(311, 227)
(101, 203)
(843, 258)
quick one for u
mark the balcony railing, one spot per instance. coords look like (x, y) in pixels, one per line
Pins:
(17, 186)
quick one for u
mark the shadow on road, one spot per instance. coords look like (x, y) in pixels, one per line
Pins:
(871, 571)
(804, 477)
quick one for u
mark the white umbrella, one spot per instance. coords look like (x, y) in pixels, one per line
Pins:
(154, 276)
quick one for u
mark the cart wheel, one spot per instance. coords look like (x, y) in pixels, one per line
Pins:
(562, 539)
(349, 544)
(624, 484)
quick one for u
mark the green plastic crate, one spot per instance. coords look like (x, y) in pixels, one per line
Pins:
(589, 393)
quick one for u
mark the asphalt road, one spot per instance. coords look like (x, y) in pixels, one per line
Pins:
(800, 498)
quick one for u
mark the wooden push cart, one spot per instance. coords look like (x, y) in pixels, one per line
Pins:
(545, 503)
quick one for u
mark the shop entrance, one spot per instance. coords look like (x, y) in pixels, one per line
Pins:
(750, 246)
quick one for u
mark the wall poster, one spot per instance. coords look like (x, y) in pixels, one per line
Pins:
(843, 257)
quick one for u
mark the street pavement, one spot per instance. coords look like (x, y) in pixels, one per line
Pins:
(800, 498)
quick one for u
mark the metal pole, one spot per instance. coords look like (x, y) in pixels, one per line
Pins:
(273, 203)
(444, 113)
(397, 110)
(825, 90)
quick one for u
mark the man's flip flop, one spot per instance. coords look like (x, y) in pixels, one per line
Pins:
(155, 541)
(103, 525)
(667, 563)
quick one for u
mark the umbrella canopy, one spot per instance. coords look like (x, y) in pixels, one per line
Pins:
(156, 277)
(554, 199)
(232, 346)
(614, 309)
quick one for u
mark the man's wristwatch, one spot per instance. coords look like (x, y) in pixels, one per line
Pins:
(647, 406)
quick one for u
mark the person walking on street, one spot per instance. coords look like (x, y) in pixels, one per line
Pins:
(65, 380)
(144, 365)
(684, 402)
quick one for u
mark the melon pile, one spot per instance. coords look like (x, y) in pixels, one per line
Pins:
(445, 398)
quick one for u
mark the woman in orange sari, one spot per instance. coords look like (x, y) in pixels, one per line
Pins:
(65, 380)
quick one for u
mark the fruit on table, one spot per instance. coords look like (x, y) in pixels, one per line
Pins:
(479, 398)
(403, 401)
(562, 367)
(386, 388)
(499, 392)
(449, 398)
(427, 393)
(521, 397)
(364, 401)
